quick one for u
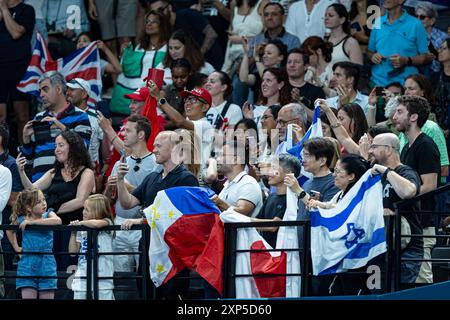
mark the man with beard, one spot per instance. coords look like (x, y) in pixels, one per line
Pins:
(302, 91)
(40, 133)
(421, 154)
(399, 182)
(78, 94)
(241, 190)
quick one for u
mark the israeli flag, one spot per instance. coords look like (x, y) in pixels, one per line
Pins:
(314, 131)
(352, 233)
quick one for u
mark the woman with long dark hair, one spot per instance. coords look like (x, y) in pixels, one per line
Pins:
(348, 170)
(346, 48)
(66, 186)
(222, 114)
(149, 53)
(358, 25)
(320, 69)
(274, 55)
(181, 45)
(274, 91)
(349, 125)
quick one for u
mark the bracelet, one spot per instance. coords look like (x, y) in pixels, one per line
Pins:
(336, 125)
(112, 140)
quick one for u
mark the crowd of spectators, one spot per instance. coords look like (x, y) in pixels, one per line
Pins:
(241, 81)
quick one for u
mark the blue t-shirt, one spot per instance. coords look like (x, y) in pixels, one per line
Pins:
(406, 37)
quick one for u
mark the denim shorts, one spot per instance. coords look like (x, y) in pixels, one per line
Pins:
(37, 265)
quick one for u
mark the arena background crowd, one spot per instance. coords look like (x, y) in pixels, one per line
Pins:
(237, 75)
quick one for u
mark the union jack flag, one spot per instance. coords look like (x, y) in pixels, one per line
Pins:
(83, 63)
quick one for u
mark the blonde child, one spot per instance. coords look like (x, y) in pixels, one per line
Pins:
(31, 209)
(96, 214)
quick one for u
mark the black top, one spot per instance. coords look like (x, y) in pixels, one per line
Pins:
(154, 182)
(310, 93)
(424, 157)
(60, 192)
(409, 212)
(17, 51)
(274, 206)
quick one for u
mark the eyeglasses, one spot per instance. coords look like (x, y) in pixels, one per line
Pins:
(136, 167)
(422, 16)
(373, 146)
(192, 99)
(285, 122)
(339, 171)
(306, 156)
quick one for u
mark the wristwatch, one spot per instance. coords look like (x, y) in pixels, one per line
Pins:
(301, 195)
(162, 101)
(409, 63)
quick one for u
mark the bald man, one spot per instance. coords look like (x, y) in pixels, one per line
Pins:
(399, 182)
(173, 174)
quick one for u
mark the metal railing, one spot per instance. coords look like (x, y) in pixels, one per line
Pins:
(394, 242)
(231, 251)
(92, 256)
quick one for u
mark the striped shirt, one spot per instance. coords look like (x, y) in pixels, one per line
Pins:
(42, 151)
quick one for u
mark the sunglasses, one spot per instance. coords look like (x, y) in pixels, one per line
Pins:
(422, 16)
(138, 162)
(192, 99)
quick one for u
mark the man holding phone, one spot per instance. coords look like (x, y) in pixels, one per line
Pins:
(140, 163)
(59, 115)
(172, 174)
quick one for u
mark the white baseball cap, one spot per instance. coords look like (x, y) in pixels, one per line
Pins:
(78, 83)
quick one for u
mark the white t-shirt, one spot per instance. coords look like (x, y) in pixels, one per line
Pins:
(204, 133)
(5, 190)
(135, 178)
(105, 262)
(242, 187)
(234, 113)
(304, 25)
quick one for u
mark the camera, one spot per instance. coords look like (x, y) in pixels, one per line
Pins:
(42, 132)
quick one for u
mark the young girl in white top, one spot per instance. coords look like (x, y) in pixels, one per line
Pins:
(96, 214)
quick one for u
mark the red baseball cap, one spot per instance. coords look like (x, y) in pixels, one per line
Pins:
(198, 92)
(140, 94)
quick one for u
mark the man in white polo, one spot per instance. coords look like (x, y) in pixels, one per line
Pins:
(241, 191)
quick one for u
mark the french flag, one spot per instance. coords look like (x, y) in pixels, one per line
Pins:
(269, 262)
(83, 63)
(186, 232)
